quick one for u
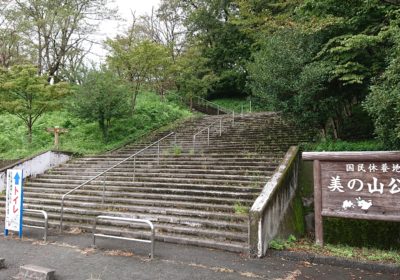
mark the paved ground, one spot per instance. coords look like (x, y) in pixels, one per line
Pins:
(73, 259)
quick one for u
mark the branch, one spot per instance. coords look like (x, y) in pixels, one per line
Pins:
(394, 2)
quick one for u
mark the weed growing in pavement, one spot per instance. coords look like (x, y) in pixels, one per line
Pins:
(240, 208)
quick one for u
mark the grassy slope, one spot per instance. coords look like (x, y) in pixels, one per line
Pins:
(84, 137)
(234, 104)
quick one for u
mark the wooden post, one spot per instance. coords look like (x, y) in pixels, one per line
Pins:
(319, 231)
(57, 130)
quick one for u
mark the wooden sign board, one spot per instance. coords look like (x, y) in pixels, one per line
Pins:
(357, 185)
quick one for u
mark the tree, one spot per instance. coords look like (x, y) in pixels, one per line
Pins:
(143, 64)
(101, 98)
(383, 103)
(27, 95)
(59, 27)
(210, 26)
(284, 78)
(195, 78)
(13, 45)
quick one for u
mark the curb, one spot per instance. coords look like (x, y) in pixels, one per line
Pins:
(336, 261)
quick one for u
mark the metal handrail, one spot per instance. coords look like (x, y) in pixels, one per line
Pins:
(208, 132)
(124, 219)
(45, 216)
(218, 107)
(104, 172)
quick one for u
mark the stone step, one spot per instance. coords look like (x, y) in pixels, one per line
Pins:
(121, 186)
(126, 203)
(120, 228)
(215, 171)
(94, 209)
(148, 180)
(201, 176)
(174, 162)
(82, 195)
(83, 218)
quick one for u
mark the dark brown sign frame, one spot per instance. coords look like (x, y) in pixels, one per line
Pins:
(323, 161)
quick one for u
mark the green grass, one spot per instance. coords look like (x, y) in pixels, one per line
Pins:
(339, 145)
(342, 251)
(240, 208)
(234, 104)
(85, 137)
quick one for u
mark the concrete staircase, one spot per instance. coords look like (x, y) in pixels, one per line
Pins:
(195, 195)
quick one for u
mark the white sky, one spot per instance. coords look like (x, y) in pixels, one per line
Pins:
(110, 29)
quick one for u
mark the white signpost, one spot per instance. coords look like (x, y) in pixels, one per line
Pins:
(14, 202)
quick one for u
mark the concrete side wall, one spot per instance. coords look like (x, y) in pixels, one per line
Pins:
(35, 165)
(268, 211)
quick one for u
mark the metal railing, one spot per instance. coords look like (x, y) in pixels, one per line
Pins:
(224, 110)
(220, 109)
(123, 219)
(208, 129)
(46, 221)
(242, 108)
(105, 171)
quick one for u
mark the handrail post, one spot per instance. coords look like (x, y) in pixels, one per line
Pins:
(134, 168)
(218, 110)
(94, 231)
(250, 105)
(194, 143)
(208, 136)
(241, 112)
(220, 127)
(45, 218)
(174, 138)
(62, 214)
(233, 118)
(104, 189)
(152, 242)
(158, 153)
(46, 225)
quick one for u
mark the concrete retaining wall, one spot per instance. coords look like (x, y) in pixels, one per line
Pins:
(35, 165)
(268, 211)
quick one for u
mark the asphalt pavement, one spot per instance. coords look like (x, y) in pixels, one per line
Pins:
(73, 258)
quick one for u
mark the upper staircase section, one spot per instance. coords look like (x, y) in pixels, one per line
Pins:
(196, 185)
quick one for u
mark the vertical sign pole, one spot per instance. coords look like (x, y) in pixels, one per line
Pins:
(21, 206)
(319, 232)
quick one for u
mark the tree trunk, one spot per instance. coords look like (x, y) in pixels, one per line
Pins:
(30, 134)
(133, 105)
(104, 128)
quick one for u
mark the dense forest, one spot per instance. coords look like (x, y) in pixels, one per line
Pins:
(322, 62)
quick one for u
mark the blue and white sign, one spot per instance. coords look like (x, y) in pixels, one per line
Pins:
(14, 201)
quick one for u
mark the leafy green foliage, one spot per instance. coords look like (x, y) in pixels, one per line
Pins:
(145, 64)
(280, 244)
(27, 95)
(284, 78)
(83, 136)
(339, 145)
(221, 42)
(383, 235)
(101, 98)
(195, 78)
(383, 103)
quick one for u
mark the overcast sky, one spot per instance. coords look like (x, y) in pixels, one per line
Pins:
(110, 29)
